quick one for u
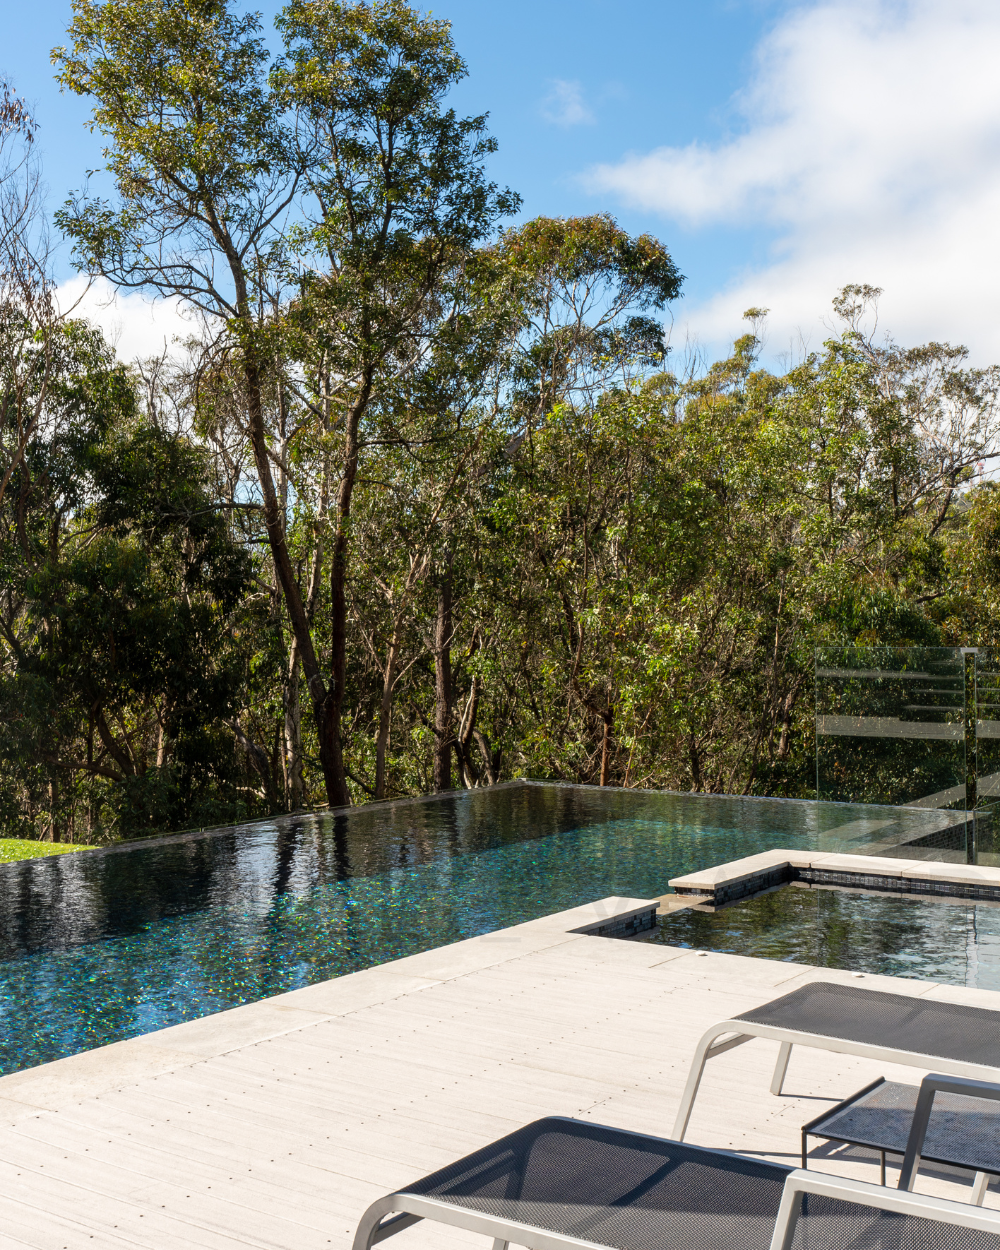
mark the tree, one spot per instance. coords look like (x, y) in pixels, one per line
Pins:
(123, 675)
(400, 202)
(204, 172)
(585, 342)
(211, 168)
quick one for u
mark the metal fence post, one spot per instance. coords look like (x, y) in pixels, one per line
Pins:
(971, 754)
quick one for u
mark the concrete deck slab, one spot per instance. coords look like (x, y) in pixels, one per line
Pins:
(275, 1124)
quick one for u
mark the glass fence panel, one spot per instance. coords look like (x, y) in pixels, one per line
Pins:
(891, 728)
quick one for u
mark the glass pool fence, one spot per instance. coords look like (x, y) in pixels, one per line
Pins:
(916, 728)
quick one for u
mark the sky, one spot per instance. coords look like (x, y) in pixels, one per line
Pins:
(779, 151)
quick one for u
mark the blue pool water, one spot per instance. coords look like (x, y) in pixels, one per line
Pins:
(100, 946)
(954, 941)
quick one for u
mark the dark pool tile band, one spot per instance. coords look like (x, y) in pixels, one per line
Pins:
(747, 887)
(628, 924)
(728, 883)
(898, 885)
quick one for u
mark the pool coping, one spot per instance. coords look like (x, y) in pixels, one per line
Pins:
(65, 1082)
(743, 878)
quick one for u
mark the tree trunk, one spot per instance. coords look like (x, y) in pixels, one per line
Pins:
(784, 742)
(695, 760)
(609, 720)
(442, 686)
(55, 834)
(291, 756)
(337, 782)
(491, 759)
(463, 739)
(385, 707)
(326, 704)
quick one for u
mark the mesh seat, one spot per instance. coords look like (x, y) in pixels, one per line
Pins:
(944, 1030)
(633, 1192)
(616, 1188)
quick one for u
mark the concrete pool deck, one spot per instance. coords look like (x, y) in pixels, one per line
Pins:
(275, 1124)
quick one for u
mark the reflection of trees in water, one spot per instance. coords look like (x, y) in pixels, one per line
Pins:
(258, 910)
(207, 923)
(835, 929)
(54, 903)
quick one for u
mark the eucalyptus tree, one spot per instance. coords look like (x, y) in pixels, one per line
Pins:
(587, 289)
(586, 339)
(399, 203)
(343, 173)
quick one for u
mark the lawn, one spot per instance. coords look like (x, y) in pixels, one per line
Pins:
(27, 848)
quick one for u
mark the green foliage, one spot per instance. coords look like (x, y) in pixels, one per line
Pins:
(121, 582)
(429, 476)
(180, 94)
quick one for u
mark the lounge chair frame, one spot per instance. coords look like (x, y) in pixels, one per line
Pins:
(737, 1032)
(405, 1209)
(935, 1083)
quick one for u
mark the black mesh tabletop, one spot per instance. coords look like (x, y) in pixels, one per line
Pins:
(871, 1017)
(962, 1130)
(616, 1188)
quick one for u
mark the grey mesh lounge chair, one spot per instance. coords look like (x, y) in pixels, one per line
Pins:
(567, 1185)
(945, 1037)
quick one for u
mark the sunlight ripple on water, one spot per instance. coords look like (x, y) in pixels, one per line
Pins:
(101, 946)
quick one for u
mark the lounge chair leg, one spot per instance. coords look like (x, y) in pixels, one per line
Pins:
(707, 1049)
(781, 1067)
(979, 1187)
(691, 1088)
(881, 1167)
(500, 1245)
(368, 1229)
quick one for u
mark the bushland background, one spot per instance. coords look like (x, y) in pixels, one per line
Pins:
(425, 500)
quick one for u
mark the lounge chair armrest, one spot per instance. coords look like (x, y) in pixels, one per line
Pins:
(935, 1083)
(414, 1207)
(800, 1183)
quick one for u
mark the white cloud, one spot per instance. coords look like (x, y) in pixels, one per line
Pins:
(136, 326)
(565, 106)
(871, 150)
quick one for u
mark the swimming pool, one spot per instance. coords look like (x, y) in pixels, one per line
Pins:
(105, 945)
(954, 941)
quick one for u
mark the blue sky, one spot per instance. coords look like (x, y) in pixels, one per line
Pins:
(779, 150)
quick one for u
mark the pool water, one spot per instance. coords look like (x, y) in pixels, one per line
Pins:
(104, 945)
(957, 942)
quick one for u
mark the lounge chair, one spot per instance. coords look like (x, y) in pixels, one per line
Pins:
(923, 1033)
(561, 1184)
